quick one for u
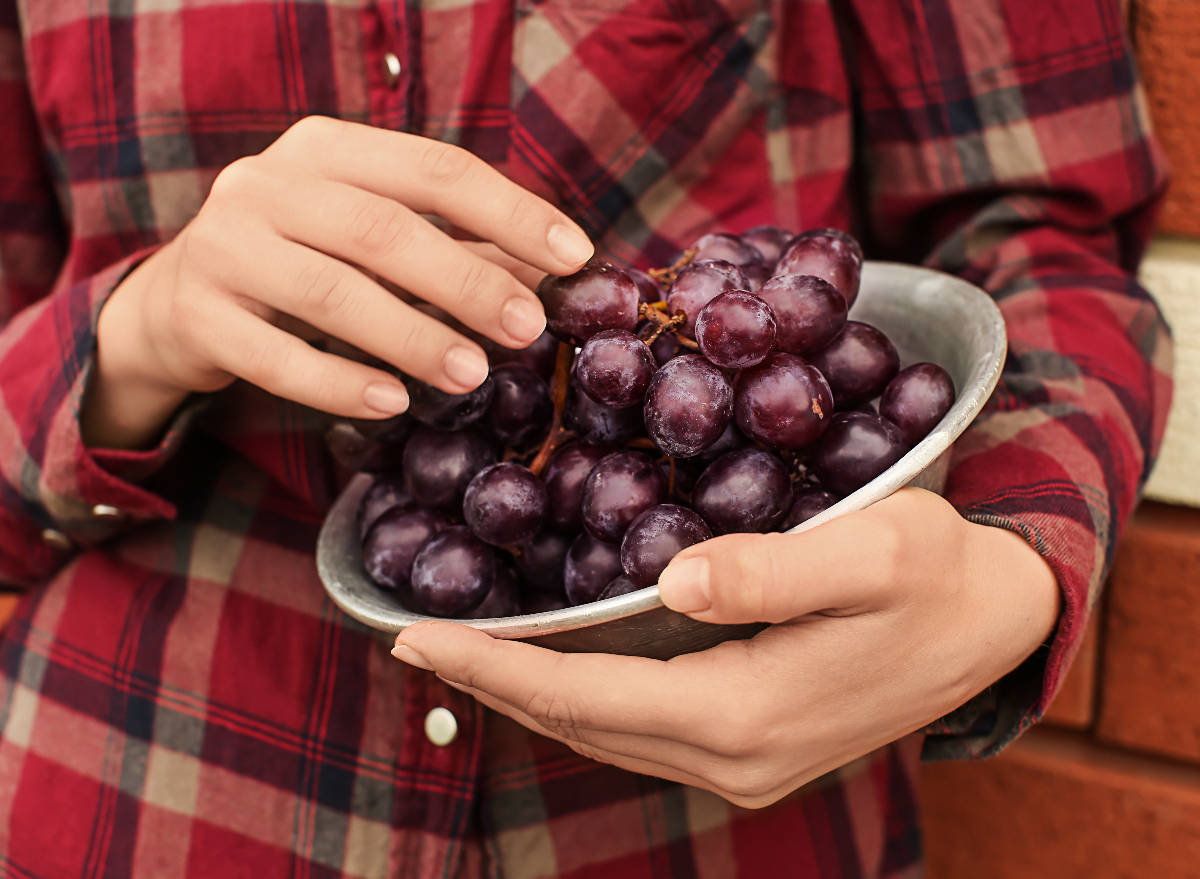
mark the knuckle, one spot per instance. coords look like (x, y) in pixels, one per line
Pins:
(745, 781)
(320, 291)
(308, 131)
(236, 179)
(445, 165)
(378, 228)
(475, 279)
(742, 586)
(265, 364)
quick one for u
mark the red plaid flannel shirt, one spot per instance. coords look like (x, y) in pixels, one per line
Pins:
(178, 697)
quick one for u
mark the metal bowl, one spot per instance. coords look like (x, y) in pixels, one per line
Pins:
(929, 316)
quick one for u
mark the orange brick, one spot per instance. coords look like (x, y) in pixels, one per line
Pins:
(1167, 36)
(1054, 806)
(1150, 692)
(1074, 704)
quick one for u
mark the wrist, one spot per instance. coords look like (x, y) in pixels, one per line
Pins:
(130, 394)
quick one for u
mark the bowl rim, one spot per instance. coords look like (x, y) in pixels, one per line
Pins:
(339, 563)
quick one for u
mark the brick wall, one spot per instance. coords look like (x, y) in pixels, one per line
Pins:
(1108, 787)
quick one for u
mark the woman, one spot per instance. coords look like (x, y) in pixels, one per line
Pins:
(180, 699)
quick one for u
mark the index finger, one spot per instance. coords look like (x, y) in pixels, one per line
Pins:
(429, 176)
(563, 691)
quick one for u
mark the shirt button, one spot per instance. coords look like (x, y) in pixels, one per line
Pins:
(391, 70)
(104, 511)
(56, 539)
(440, 726)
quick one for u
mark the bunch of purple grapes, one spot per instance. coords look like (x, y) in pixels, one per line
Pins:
(727, 393)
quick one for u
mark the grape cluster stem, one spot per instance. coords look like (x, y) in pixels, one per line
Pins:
(558, 434)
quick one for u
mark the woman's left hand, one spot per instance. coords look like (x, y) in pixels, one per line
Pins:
(884, 621)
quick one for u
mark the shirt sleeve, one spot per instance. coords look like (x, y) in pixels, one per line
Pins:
(55, 494)
(1007, 141)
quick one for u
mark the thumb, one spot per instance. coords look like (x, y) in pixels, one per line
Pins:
(844, 566)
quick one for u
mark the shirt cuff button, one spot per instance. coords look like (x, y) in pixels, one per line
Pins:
(56, 540)
(441, 727)
(391, 70)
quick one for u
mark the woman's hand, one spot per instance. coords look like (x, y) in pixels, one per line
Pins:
(274, 255)
(885, 620)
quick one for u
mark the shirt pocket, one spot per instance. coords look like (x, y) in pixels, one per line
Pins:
(611, 97)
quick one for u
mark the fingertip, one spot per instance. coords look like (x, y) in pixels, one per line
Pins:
(523, 320)
(686, 585)
(569, 245)
(386, 398)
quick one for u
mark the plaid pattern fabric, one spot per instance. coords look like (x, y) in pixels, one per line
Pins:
(177, 696)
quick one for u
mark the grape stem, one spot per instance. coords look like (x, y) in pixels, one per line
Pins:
(557, 435)
(660, 323)
(666, 277)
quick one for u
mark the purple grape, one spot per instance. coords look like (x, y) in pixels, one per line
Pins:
(770, 241)
(354, 451)
(591, 565)
(783, 403)
(858, 364)
(698, 282)
(564, 477)
(439, 464)
(597, 297)
(685, 477)
(617, 490)
(543, 602)
(735, 250)
(806, 503)
(393, 542)
(620, 586)
(505, 504)
(540, 357)
(664, 348)
(657, 536)
(917, 399)
(541, 560)
(453, 572)
(730, 440)
(857, 447)
(649, 290)
(748, 490)
(809, 312)
(735, 330)
(503, 599)
(386, 492)
(596, 423)
(396, 429)
(445, 411)
(829, 254)
(688, 406)
(521, 409)
(614, 369)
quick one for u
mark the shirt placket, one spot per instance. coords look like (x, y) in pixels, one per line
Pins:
(392, 45)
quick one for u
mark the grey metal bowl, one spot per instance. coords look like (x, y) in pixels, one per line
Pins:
(928, 315)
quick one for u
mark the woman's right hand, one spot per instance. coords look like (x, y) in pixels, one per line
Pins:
(278, 244)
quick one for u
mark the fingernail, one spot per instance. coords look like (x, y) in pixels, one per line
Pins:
(466, 367)
(522, 320)
(406, 654)
(684, 586)
(569, 245)
(386, 398)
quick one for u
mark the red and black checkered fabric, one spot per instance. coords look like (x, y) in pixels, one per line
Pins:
(177, 696)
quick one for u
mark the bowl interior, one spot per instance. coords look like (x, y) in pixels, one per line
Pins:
(928, 315)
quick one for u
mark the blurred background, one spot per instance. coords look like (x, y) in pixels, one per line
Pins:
(1108, 787)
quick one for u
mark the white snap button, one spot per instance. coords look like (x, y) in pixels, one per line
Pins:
(104, 511)
(440, 726)
(391, 70)
(56, 539)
